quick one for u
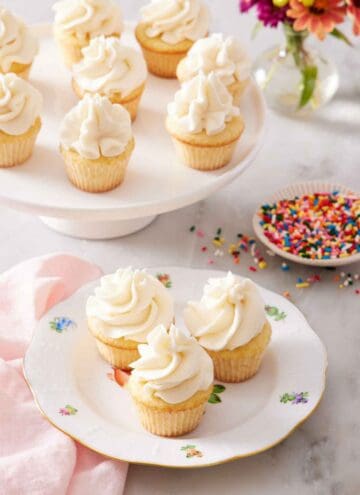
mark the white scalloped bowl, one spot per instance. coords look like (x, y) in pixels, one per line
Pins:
(300, 189)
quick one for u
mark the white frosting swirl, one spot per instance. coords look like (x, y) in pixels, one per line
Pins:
(176, 20)
(20, 104)
(109, 67)
(130, 303)
(230, 313)
(17, 43)
(224, 56)
(96, 127)
(172, 366)
(203, 103)
(88, 17)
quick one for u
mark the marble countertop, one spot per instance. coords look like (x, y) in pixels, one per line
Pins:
(322, 456)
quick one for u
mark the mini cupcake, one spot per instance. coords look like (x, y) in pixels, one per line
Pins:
(171, 382)
(230, 323)
(78, 21)
(168, 30)
(96, 143)
(113, 70)
(18, 46)
(20, 123)
(224, 56)
(204, 124)
(125, 308)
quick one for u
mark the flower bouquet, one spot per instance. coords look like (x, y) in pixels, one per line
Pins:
(293, 76)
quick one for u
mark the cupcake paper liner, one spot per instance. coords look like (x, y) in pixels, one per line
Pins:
(204, 157)
(97, 175)
(117, 356)
(132, 105)
(169, 424)
(233, 370)
(70, 50)
(15, 150)
(241, 363)
(162, 64)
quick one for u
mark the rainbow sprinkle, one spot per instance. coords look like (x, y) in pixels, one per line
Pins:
(318, 226)
(246, 244)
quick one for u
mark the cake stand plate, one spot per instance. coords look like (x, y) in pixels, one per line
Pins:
(83, 396)
(84, 229)
(156, 182)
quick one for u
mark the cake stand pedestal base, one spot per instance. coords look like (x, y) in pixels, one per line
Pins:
(97, 230)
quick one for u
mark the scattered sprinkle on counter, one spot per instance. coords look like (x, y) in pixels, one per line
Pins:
(318, 226)
(247, 244)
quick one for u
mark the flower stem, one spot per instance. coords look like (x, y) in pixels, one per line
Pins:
(295, 45)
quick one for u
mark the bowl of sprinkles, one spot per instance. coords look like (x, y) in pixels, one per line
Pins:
(313, 223)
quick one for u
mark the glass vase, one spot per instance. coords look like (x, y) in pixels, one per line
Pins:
(295, 78)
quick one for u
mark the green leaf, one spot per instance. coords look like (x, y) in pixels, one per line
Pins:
(285, 398)
(214, 399)
(186, 447)
(218, 389)
(258, 26)
(71, 409)
(309, 76)
(341, 36)
(271, 310)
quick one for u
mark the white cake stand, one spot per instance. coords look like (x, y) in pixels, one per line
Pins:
(156, 182)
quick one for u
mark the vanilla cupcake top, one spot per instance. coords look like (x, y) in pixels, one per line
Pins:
(176, 20)
(96, 127)
(109, 67)
(17, 43)
(172, 366)
(20, 104)
(130, 303)
(224, 56)
(202, 104)
(88, 18)
(230, 313)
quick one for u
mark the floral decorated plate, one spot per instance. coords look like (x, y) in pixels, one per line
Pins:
(301, 189)
(85, 398)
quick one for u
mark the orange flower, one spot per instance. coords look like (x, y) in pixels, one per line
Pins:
(354, 12)
(320, 19)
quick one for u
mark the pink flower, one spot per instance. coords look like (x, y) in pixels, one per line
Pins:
(353, 11)
(320, 18)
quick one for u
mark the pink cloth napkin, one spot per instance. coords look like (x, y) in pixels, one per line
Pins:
(36, 458)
